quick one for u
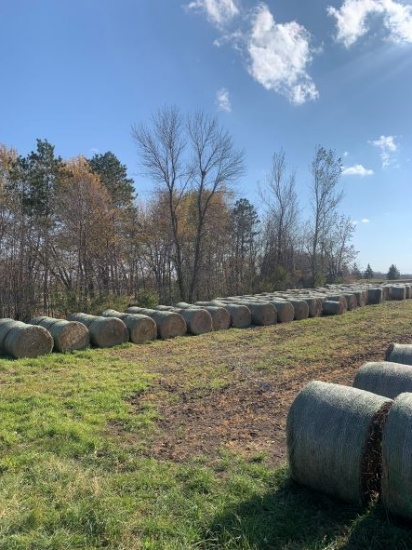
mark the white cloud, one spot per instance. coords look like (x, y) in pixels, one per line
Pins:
(353, 19)
(219, 12)
(279, 55)
(223, 100)
(357, 170)
(387, 147)
(365, 220)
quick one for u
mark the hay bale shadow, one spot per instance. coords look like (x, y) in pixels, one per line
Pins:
(293, 517)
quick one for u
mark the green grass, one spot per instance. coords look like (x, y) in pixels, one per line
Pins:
(76, 432)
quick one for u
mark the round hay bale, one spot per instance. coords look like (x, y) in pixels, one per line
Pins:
(397, 293)
(262, 314)
(141, 328)
(198, 320)
(67, 335)
(375, 295)
(105, 332)
(399, 353)
(351, 301)
(240, 316)
(361, 297)
(331, 307)
(169, 324)
(384, 378)
(338, 298)
(27, 341)
(396, 458)
(285, 310)
(334, 440)
(300, 308)
(315, 306)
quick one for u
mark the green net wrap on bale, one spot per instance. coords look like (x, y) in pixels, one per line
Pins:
(397, 458)
(67, 335)
(384, 378)
(19, 340)
(334, 440)
(141, 328)
(399, 353)
(169, 324)
(105, 332)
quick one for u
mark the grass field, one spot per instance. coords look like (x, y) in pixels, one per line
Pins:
(180, 444)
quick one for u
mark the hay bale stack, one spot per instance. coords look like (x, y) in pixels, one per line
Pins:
(141, 328)
(105, 332)
(399, 353)
(67, 335)
(396, 458)
(384, 378)
(21, 340)
(169, 324)
(334, 439)
(331, 307)
(220, 316)
(375, 295)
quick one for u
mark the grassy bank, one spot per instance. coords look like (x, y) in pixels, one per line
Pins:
(180, 444)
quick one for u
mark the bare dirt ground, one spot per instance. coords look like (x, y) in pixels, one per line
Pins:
(247, 413)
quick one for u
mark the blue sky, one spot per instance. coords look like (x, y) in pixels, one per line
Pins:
(278, 75)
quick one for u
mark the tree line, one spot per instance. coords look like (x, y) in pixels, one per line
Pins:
(74, 235)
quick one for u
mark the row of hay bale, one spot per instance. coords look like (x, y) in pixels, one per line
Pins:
(140, 325)
(356, 442)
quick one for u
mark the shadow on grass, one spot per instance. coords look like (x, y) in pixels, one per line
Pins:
(295, 518)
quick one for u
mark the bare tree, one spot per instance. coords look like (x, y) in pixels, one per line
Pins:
(281, 224)
(340, 253)
(162, 149)
(326, 171)
(188, 155)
